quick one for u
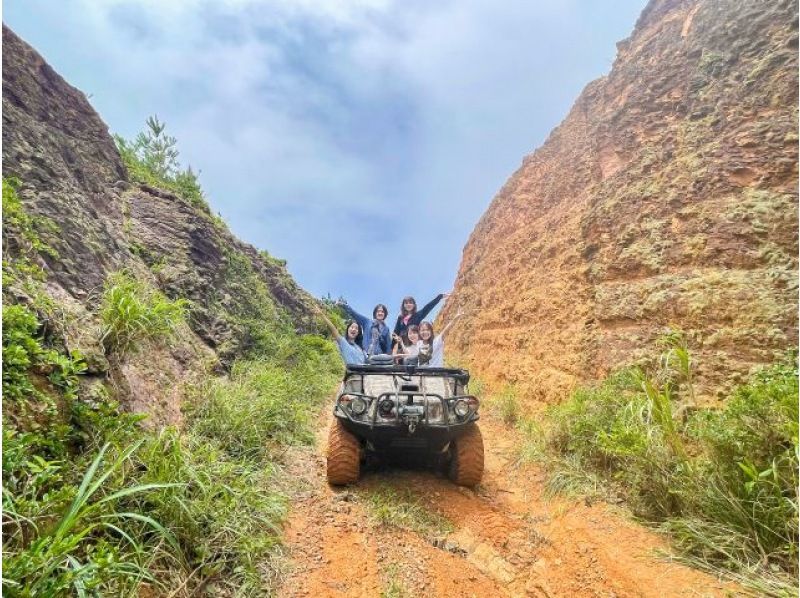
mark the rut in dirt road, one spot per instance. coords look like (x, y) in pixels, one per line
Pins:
(413, 533)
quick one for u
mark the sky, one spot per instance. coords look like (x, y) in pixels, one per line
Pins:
(360, 140)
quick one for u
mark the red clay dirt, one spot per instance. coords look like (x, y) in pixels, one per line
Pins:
(508, 539)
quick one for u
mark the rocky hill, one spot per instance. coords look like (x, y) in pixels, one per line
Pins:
(666, 198)
(73, 182)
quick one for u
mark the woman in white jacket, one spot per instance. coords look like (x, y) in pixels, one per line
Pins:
(431, 346)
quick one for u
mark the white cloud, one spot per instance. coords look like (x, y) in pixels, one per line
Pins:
(359, 139)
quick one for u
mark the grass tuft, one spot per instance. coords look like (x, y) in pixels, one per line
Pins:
(402, 509)
(133, 313)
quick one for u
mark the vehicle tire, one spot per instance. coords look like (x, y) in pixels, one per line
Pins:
(466, 464)
(344, 455)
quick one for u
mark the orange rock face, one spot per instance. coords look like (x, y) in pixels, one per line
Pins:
(666, 199)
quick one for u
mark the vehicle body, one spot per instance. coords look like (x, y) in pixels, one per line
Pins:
(408, 414)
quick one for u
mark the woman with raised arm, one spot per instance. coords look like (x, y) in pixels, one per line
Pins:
(350, 344)
(377, 338)
(431, 347)
(409, 316)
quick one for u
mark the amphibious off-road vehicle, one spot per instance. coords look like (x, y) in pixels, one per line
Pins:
(406, 414)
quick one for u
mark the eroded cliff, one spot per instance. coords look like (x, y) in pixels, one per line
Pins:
(73, 182)
(667, 198)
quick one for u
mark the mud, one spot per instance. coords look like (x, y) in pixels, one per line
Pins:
(508, 539)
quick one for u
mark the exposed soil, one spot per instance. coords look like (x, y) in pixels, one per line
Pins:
(508, 539)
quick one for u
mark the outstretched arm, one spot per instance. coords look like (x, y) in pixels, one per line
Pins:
(450, 323)
(429, 306)
(325, 318)
(363, 321)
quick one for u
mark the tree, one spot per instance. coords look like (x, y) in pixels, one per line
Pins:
(157, 150)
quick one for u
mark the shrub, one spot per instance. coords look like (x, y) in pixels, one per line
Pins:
(95, 505)
(722, 481)
(152, 159)
(133, 313)
(71, 552)
(221, 511)
(268, 402)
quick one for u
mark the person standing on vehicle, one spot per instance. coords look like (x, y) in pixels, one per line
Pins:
(377, 338)
(431, 346)
(409, 316)
(350, 344)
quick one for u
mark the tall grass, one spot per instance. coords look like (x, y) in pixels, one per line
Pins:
(95, 505)
(723, 482)
(267, 403)
(133, 313)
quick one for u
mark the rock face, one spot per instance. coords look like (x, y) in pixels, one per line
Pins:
(666, 198)
(71, 174)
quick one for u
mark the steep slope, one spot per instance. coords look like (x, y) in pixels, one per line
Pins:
(73, 181)
(666, 198)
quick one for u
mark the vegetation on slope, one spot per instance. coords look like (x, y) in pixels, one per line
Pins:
(96, 504)
(152, 158)
(722, 482)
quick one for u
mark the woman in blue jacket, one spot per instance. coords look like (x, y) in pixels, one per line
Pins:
(377, 337)
(350, 344)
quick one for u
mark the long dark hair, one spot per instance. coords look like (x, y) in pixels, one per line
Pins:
(381, 306)
(403, 311)
(359, 337)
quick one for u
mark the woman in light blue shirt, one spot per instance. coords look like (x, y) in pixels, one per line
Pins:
(350, 344)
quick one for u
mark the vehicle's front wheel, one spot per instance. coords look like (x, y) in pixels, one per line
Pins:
(344, 455)
(466, 463)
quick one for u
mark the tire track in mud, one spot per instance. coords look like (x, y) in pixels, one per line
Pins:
(508, 540)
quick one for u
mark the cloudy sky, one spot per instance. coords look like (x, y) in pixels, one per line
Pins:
(360, 140)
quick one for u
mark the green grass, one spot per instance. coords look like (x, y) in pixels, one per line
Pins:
(133, 314)
(402, 509)
(96, 505)
(722, 482)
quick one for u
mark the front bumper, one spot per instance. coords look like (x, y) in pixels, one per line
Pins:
(412, 431)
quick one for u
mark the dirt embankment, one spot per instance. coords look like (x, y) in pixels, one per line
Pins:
(503, 539)
(666, 197)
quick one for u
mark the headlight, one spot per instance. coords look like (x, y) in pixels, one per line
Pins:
(461, 408)
(358, 406)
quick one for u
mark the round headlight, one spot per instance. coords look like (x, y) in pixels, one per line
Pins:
(358, 406)
(461, 408)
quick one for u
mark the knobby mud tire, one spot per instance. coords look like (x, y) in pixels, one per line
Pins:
(466, 464)
(344, 455)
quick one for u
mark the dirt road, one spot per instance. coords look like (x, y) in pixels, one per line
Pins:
(503, 539)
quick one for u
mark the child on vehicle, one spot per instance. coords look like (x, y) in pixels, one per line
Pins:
(410, 351)
(431, 347)
(409, 315)
(377, 338)
(350, 344)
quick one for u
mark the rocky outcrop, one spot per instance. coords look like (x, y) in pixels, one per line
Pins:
(72, 177)
(666, 198)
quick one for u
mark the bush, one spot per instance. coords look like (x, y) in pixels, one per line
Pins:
(95, 505)
(152, 159)
(221, 511)
(268, 402)
(722, 481)
(133, 313)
